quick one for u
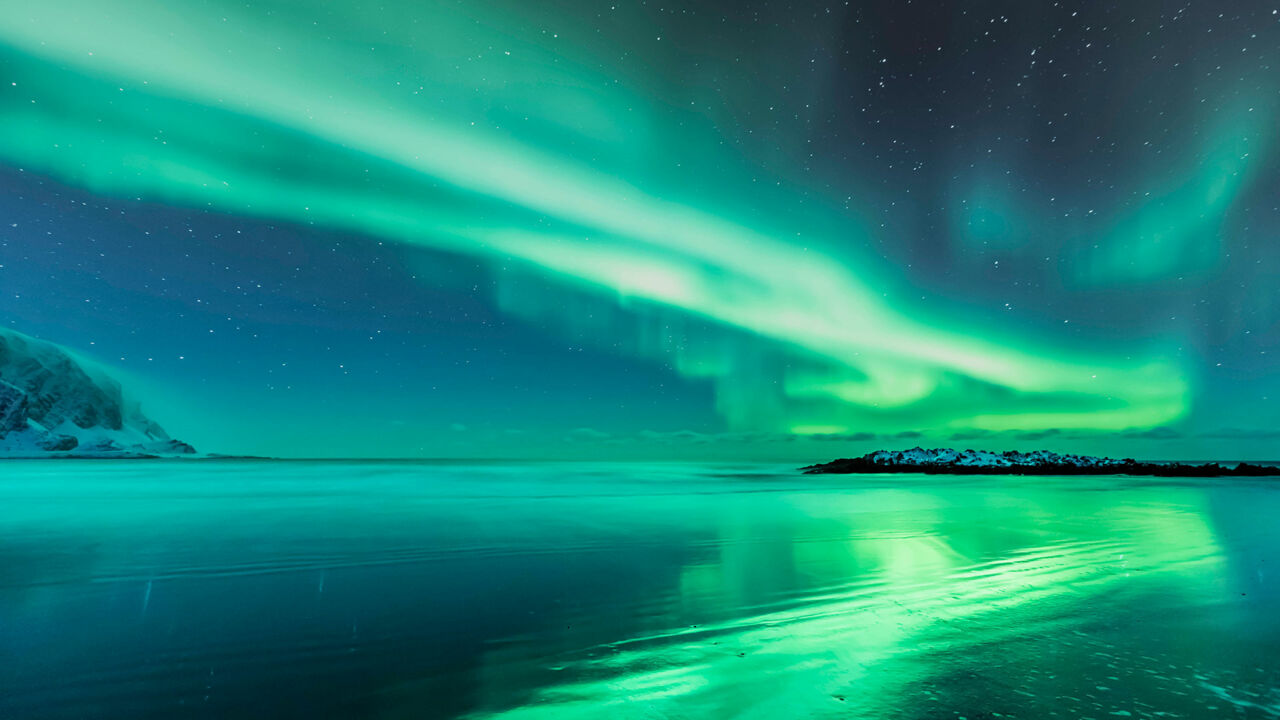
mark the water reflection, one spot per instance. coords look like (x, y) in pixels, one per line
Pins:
(415, 590)
(873, 595)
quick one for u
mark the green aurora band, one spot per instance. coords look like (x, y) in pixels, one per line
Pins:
(384, 122)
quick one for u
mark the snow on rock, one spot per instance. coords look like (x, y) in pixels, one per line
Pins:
(54, 405)
(13, 408)
(1040, 462)
(984, 458)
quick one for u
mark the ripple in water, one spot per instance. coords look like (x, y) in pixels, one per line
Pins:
(399, 590)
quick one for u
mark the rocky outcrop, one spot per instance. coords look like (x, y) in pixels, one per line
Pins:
(13, 408)
(52, 403)
(1041, 462)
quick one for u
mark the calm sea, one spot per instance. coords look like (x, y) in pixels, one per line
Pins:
(261, 589)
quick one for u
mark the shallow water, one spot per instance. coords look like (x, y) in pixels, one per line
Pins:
(434, 590)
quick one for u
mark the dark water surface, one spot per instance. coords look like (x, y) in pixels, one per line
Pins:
(428, 590)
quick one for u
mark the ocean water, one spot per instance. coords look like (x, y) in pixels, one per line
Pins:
(238, 589)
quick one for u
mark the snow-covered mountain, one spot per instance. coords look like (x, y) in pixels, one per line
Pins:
(53, 405)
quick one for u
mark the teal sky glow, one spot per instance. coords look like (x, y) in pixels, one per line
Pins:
(590, 164)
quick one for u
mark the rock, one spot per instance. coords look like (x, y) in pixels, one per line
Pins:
(57, 443)
(13, 409)
(167, 447)
(1040, 462)
(53, 402)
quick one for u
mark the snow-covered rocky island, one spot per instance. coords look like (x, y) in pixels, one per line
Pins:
(1040, 462)
(55, 405)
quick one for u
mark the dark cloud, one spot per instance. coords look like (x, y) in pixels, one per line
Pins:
(1155, 433)
(1038, 434)
(1242, 434)
(754, 438)
(844, 437)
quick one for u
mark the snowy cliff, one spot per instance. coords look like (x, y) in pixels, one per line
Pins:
(53, 405)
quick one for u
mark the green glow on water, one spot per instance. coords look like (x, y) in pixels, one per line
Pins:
(572, 590)
(859, 643)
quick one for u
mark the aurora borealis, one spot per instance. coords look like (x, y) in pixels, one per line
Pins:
(347, 228)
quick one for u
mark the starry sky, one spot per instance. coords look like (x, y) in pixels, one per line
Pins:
(754, 230)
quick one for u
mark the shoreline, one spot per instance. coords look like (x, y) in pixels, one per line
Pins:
(946, 461)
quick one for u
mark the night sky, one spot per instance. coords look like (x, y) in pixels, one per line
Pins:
(620, 229)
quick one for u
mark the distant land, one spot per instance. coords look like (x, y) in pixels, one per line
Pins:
(54, 405)
(946, 461)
